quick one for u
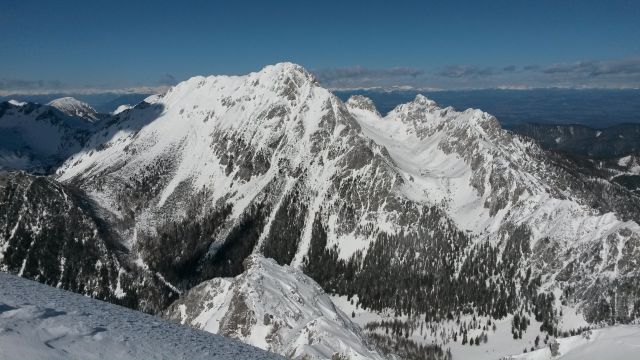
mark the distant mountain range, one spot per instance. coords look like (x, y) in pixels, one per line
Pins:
(599, 108)
(102, 102)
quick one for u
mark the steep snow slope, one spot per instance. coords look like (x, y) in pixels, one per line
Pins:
(618, 342)
(42, 322)
(276, 308)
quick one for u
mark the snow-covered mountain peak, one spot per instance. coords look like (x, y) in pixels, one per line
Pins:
(287, 69)
(282, 78)
(16, 102)
(423, 111)
(424, 101)
(121, 108)
(419, 104)
(362, 102)
(73, 107)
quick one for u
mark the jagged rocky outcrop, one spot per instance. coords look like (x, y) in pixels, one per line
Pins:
(276, 308)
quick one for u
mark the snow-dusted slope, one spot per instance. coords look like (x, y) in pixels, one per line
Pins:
(75, 108)
(276, 308)
(39, 322)
(618, 342)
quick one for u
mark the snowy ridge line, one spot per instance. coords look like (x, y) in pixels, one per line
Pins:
(284, 310)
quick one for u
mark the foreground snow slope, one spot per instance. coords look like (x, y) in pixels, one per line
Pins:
(274, 307)
(42, 322)
(619, 342)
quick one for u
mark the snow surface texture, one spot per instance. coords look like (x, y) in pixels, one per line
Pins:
(618, 342)
(276, 308)
(42, 322)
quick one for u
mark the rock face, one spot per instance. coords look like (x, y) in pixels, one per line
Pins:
(276, 308)
(428, 211)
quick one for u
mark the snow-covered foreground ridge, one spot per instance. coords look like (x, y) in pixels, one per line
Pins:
(39, 322)
(276, 308)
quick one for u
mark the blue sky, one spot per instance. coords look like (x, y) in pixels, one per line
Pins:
(433, 44)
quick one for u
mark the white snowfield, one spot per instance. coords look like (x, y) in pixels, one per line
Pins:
(615, 343)
(281, 310)
(39, 322)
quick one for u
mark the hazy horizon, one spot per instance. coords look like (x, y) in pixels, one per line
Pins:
(88, 47)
